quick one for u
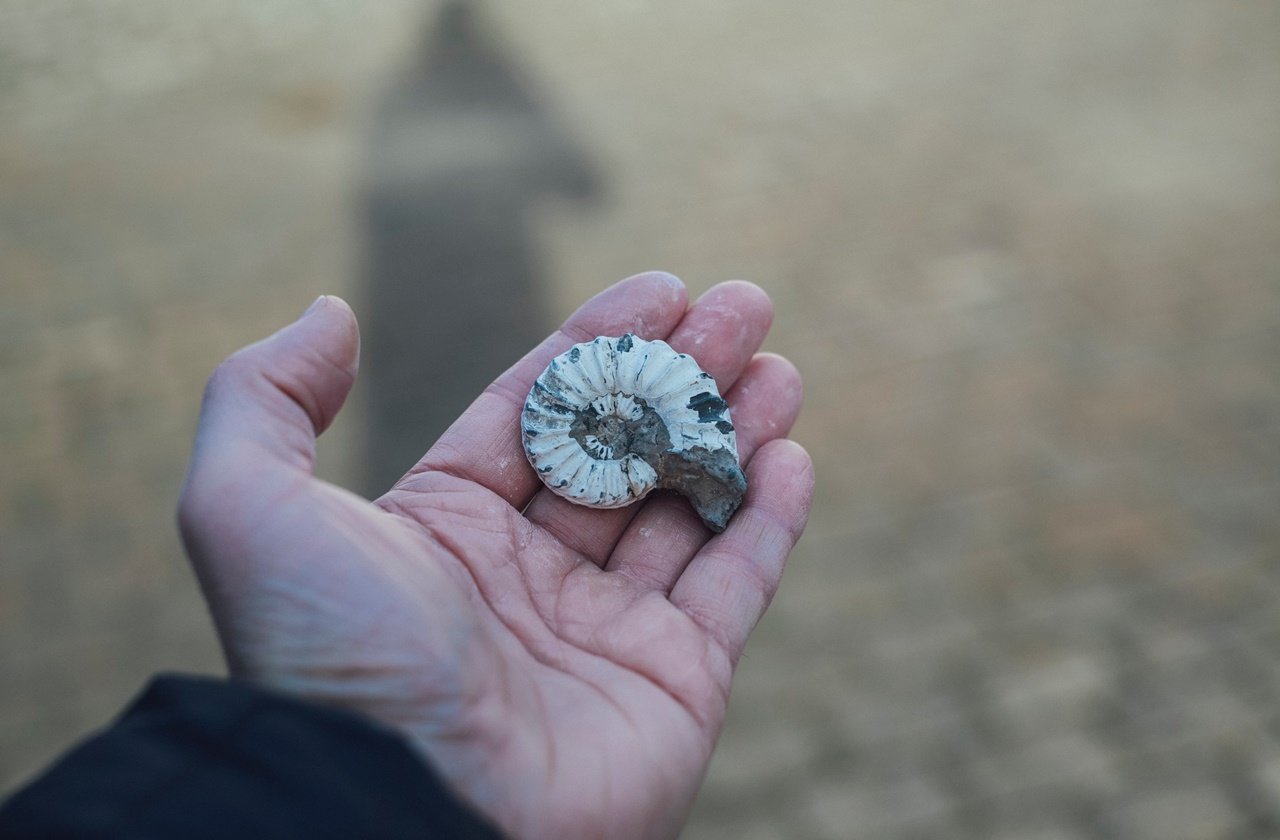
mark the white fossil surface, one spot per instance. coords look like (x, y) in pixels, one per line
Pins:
(612, 419)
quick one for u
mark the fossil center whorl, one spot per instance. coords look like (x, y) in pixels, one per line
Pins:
(612, 419)
(615, 425)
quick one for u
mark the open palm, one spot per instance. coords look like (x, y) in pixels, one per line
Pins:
(566, 669)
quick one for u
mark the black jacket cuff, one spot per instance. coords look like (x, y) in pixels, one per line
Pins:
(206, 758)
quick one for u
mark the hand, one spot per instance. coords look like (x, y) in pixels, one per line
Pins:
(566, 669)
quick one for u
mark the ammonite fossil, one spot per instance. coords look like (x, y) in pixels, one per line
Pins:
(611, 419)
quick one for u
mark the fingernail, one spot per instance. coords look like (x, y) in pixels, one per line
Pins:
(312, 307)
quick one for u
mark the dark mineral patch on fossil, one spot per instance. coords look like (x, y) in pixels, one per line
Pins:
(644, 437)
(711, 480)
(709, 406)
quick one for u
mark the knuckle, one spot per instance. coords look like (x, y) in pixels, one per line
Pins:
(231, 372)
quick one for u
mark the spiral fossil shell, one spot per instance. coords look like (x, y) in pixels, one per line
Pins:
(611, 419)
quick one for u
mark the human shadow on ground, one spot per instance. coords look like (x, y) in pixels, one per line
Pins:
(462, 149)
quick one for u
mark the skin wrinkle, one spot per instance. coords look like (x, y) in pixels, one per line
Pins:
(319, 414)
(251, 517)
(427, 483)
(522, 546)
(325, 413)
(456, 571)
(522, 571)
(488, 438)
(553, 749)
(538, 652)
(683, 529)
(520, 539)
(295, 400)
(577, 330)
(560, 622)
(395, 577)
(692, 593)
(501, 739)
(755, 538)
(480, 792)
(582, 544)
(710, 626)
(327, 670)
(230, 379)
(442, 457)
(688, 677)
(646, 575)
(340, 674)
(504, 391)
(799, 491)
(392, 505)
(703, 717)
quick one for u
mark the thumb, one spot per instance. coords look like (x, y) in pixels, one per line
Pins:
(264, 406)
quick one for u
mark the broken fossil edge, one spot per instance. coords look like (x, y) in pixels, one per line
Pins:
(612, 419)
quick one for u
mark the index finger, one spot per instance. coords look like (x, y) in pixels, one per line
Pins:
(483, 445)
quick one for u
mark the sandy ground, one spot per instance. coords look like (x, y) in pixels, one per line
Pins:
(1026, 255)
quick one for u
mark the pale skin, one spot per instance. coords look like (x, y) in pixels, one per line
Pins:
(566, 670)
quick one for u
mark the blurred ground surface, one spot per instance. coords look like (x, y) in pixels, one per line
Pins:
(1026, 255)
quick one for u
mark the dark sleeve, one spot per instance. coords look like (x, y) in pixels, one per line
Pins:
(205, 758)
